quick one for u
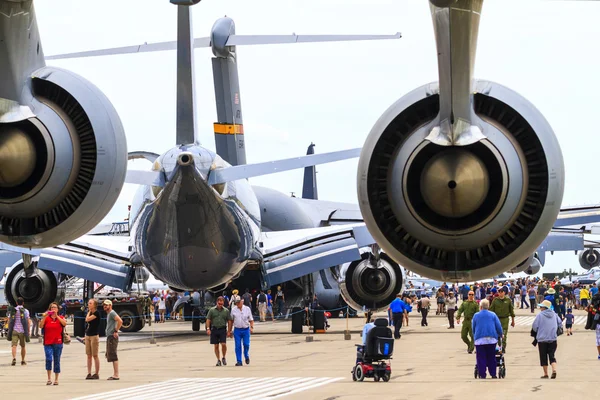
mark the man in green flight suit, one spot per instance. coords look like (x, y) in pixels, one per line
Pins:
(503, 307)
(469, 308)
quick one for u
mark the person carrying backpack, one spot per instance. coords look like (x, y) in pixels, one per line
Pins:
(247, 297)
(261, 304)
(18, 330)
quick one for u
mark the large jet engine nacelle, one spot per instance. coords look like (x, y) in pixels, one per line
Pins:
(461, 212)
(534, 267)
(363, 285)
(38, 290)
(522, 267)
(61, 169)
(589, 258)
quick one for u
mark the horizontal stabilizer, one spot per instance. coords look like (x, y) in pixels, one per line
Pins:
(246, 40)
(251, 170)
(234, 40)
(148, 178)
(142, 48)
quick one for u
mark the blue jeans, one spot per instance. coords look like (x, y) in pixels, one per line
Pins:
(240, 335)
(53, 351)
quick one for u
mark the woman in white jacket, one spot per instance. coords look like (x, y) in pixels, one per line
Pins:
(545, 326)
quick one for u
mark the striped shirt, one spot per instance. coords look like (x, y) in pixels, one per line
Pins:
(18, 323)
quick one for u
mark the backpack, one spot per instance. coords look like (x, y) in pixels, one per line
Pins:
(262, 298)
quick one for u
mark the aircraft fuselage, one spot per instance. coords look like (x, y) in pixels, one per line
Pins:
(188, 233)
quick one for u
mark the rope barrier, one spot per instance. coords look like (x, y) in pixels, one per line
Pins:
(276, 317)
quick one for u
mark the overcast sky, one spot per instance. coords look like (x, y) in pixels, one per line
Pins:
(332, 94)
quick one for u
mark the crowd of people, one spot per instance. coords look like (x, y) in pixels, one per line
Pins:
(487, 310)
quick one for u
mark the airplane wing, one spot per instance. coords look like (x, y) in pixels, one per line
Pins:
(101, 259)
(289, 255)
(578, 216)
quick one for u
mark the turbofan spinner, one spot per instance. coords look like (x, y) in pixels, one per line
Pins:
(589, 258)
(62, 167)
(461, 212)
(371, 282)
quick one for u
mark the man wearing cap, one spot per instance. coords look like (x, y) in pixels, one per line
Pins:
(469, 308)
(503, 307)
(113, 324)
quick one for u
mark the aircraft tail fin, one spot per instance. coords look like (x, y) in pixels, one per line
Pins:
(309, 185)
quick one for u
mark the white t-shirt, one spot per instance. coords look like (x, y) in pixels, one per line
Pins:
(162, 305)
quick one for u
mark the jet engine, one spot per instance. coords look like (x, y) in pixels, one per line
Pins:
(38, 290)
(530, 266)
(371, 283)
(461, 212)
(589, 258)
(62, 162)
(534, 267)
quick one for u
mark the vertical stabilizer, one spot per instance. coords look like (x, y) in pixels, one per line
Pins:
(229, 128)
(186, 111)
(309, 185)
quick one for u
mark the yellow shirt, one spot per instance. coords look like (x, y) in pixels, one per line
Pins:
(584, 294)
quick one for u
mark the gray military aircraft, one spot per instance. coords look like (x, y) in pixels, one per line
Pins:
(457, 181)
(195, 223)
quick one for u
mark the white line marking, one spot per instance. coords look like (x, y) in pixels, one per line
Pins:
(218, 388)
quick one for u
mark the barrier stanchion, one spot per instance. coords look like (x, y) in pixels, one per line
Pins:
(347, 335)
(309, 337)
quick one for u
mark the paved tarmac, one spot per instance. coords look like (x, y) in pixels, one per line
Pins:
(429, 363)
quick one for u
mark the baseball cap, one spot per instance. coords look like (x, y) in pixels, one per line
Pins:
(107, 303)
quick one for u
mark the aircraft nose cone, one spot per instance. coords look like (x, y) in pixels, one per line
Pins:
(185, 159)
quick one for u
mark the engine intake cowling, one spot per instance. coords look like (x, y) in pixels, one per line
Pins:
(589, 258)
(38, 290)
(461, 213)
(534, 267)
(364, 285)
(63, 168)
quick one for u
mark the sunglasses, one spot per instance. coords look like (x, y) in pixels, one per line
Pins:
(471, 294)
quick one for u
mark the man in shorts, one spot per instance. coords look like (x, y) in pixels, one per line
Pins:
(18, 330)
(217, 321)
(113, 324)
